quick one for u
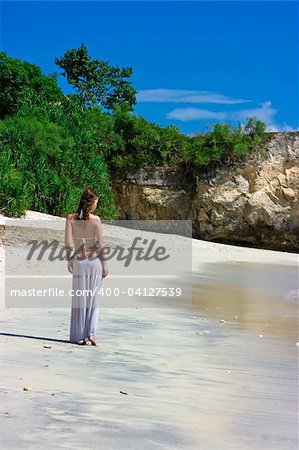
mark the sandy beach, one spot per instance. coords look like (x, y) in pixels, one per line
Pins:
(218, 373)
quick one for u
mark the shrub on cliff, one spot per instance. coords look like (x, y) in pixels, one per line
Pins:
(225, 144)
(144, 143)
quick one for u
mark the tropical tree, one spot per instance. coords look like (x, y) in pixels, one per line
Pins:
(96, 81)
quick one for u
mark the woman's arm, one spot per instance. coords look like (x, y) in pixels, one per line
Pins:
(68, 242)
(100, 239)
(101, 245)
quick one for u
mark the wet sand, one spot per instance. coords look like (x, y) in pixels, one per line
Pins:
(220, 374)
(257, 297)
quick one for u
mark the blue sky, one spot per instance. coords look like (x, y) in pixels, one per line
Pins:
(195, 63)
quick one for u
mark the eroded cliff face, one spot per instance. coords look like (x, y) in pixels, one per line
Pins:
(254, 203)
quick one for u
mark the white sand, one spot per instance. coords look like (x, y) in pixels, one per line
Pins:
(202, 251)
(192, 381)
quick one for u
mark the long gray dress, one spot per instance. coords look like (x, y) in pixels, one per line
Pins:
(87, 276)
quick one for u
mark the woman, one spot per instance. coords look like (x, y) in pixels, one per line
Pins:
(83, 231)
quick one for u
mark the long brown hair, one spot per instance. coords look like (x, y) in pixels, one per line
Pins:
(87, 199)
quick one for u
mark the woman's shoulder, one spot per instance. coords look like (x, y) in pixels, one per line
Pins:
(94, 218)
(71, 216)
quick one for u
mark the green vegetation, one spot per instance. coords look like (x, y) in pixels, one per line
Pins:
(49, 154)
(53, 145)
(23, 83)
(95, 81)
(225, 144)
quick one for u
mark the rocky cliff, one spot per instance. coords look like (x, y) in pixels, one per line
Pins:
(253, 203)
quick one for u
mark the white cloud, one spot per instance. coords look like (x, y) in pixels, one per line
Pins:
(185, 96)
(265, 112)
(188, 114)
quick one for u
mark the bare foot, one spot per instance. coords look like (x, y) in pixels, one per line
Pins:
(92, 340)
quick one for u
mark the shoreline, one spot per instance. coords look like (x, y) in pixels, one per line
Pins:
(196, 243)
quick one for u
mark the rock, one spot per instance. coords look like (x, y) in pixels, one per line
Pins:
(47, 346)
(259, 183)
(289, 194)
(27, 388)
(202, 216)
(124, 393)
(242, 184)
(261, 209)
(227, 198)
(282, 180)
(254, 202)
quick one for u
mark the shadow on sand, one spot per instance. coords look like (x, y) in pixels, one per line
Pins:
(36, 337)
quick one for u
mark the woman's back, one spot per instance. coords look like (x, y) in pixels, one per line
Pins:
(83, 231)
